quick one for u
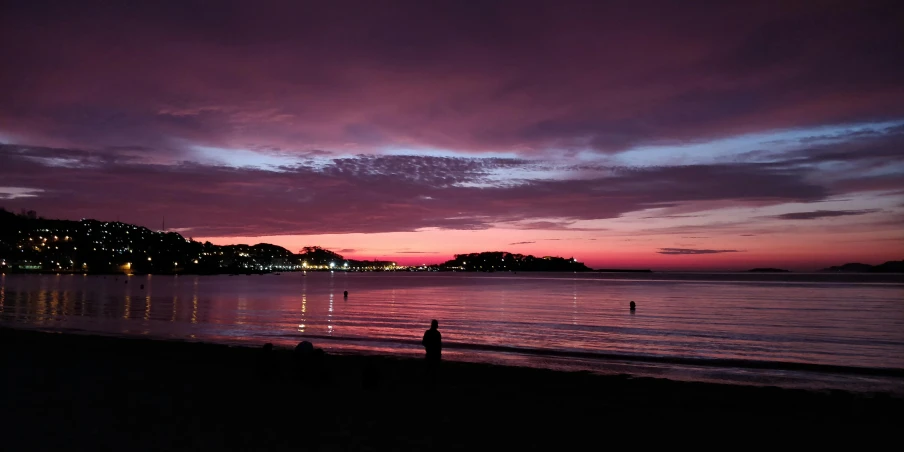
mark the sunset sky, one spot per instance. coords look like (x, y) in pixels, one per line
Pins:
(664, 135)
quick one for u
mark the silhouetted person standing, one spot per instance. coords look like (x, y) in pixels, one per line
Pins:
(433, 342)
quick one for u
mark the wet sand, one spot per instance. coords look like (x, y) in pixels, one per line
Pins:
(73, 392)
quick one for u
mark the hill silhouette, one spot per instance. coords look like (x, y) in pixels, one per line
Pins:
(856, 267)
(492, 261)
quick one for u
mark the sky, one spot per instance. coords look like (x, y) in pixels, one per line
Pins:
(643, 134)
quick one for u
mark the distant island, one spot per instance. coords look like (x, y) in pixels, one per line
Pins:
(768, 270)
(32, 244)
(493, 261)
(622, 270)
(887, 267)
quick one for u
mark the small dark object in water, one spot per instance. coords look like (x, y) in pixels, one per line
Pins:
(633, 306)
(345, 294)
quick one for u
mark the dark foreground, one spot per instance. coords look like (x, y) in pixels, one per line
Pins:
(67, 392)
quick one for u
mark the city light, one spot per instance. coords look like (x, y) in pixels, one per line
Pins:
(49, 248)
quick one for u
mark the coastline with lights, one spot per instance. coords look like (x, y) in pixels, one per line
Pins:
(29, 244)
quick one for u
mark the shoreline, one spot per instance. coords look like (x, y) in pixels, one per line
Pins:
(591, 356)
(624, 358)
(123, 392)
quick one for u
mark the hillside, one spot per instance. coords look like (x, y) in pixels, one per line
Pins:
(887, 267)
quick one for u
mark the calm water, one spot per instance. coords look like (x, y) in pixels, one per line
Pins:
(727, 327)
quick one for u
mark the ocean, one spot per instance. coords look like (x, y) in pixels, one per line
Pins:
(813, 331)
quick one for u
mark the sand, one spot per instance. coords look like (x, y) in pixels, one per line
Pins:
(79, 392)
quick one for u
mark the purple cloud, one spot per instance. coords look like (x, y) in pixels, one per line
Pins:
(685, 251)
(816, 214)
(304, 118)
(370, 194)
(527, 77)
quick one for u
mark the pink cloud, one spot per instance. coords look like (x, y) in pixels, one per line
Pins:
(521, 76)
(279, 119)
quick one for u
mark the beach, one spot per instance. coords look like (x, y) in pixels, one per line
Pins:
(81, 392)
(763, 329)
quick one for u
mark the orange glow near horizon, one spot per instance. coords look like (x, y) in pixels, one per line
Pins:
(597, 250)
(413, 134)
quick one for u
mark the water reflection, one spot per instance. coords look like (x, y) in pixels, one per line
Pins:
(392, 302)
(329, 317)
(41, 305)
(67, 302)
(194, 309)
(304, 310)
(128, 307)
(242, 313)
(175, 307)
(844, 324)
(574, 304)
